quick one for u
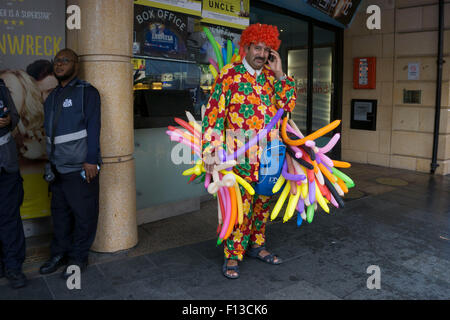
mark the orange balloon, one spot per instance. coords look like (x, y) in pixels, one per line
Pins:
(341, 164)
(312, 136)
(341, 184)
(327, 173)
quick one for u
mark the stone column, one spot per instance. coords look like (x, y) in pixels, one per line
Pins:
(104, 44)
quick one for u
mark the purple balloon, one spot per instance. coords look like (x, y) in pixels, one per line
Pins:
(288, 176)
(254, 140)
(312, 191)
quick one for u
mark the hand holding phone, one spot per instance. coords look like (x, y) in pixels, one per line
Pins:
(4, 112)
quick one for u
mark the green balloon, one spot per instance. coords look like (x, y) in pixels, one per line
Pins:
(310, 213)
(229, 51)
(215, 47)
(348, 182)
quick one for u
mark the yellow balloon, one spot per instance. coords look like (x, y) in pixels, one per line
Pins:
(304, 190)
(196, 126)
(279, 184)
(280, 201)
(292, 204)
(188, 172)
(241, 181)
(213, 70)
(239, 204)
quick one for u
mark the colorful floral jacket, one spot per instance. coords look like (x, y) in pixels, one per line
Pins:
(239, 102)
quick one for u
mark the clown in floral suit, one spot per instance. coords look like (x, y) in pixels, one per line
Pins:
(246, 96)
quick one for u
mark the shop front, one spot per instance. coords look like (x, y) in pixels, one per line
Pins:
(168, 75)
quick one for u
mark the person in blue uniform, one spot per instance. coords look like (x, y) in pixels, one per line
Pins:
(72, 129)
(12, 237)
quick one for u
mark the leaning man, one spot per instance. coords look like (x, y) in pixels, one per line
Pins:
(72, 128)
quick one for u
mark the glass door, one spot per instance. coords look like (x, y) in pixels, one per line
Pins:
(310, 51)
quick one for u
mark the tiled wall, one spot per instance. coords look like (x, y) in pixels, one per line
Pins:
(404, 133)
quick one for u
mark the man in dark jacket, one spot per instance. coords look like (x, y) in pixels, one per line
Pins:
(72, 127)
(12, 238)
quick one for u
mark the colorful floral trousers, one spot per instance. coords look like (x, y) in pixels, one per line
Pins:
(256, 211)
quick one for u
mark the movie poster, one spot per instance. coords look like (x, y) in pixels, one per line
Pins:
(31, 33)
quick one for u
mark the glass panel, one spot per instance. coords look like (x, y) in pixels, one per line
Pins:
(171, 66)
(294, 54)
(322, 77)
(298, 68)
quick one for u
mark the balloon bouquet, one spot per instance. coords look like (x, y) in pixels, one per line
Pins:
(307, 175)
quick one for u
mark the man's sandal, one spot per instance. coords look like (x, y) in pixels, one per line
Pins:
(270, 258)
(226, 268)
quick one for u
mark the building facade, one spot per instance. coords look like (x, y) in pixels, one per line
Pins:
(404, 133)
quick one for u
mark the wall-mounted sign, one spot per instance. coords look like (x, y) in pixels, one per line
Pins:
(364, 73)
(340, 10)
(413, 71)
(229, 13)
(412, 96)
(364, 114)
(160, 33)
(192, 7)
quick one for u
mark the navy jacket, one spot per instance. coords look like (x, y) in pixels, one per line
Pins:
(77, 135)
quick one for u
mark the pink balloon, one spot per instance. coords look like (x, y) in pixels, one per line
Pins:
(292, 130)
(325, 159)
(334, 202)
(330, 144)
(227, 212)
(214, 64)
(207, 180)
(183, 140)
(297, 150)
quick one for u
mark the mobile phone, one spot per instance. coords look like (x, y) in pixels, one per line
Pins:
(3, 114)
(271, 57)
(83, 172)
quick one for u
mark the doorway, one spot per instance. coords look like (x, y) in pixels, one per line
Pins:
(311, 53)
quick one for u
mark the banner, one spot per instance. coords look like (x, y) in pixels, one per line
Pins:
(340, 10)
(160, 33)
(31, 33)
(229, 13)
(192, 7)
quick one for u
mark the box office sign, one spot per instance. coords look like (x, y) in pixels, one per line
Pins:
(30, 31)
(160, 33)
(340, 10)
(192, 7)
(228, 13)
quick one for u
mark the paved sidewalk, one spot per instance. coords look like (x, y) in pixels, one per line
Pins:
(395, 219)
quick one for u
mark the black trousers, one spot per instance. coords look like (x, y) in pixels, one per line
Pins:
(74, 209)
(12, 237)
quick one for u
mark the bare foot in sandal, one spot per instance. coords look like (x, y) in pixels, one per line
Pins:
(230, 269)
(263, 253)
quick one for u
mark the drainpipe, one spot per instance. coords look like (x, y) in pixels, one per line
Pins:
(440, 63)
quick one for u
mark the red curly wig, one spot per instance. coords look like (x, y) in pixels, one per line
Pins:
(258, 32)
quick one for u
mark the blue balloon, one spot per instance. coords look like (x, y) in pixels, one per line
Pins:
(224, 54)
(299, 219)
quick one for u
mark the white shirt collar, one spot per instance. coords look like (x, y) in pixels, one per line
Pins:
(250, 69)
